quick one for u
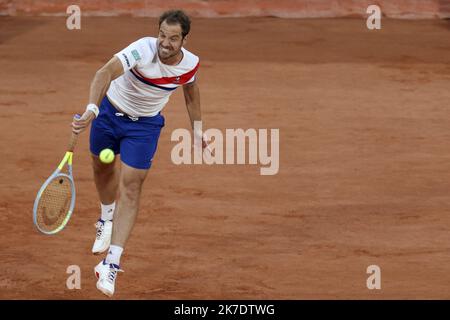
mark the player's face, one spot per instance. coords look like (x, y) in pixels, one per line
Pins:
(170, 40)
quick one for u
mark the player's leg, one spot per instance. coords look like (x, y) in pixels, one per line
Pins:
(137, 150)
(130, 187)
(106, 176)
(137, 153)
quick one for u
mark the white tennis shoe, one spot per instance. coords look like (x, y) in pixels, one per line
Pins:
(103, 236)
(106, 274)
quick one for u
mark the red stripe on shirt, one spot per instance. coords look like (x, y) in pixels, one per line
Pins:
(172, 80)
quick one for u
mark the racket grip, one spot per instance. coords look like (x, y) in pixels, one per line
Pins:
(72, 142)
(73, 138)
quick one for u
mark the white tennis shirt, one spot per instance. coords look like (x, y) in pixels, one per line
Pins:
(147, 83)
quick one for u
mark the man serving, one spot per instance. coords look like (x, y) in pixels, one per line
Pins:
(131, 90)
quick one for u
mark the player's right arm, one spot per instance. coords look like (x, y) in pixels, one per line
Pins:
(137, 53)
(99, 85)
(103, 77)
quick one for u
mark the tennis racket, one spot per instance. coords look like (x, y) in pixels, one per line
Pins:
(55, 200)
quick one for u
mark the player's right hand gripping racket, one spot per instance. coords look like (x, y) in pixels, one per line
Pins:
(55, 200)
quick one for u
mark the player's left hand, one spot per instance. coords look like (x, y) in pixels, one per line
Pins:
(205, 144)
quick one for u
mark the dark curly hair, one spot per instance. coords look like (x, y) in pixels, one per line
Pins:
(177, 17)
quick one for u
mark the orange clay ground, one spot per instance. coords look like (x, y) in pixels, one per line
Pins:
(364, 162)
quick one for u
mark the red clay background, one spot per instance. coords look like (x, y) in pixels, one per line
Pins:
(364, 162)
(235, 8)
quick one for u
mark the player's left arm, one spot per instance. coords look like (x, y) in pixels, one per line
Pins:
(192, 99)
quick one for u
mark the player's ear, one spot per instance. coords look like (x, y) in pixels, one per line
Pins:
(185, 40)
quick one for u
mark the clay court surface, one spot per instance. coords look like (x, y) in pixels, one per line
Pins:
(364, 162)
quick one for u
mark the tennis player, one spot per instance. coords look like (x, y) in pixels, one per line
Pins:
(126, 98)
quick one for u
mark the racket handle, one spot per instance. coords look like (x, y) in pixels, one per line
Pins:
(73, 138)
(72, 142)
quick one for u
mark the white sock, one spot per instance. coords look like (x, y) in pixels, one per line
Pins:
(114, 254)
(108, 211)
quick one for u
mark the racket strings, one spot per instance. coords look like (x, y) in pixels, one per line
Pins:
(54, 203)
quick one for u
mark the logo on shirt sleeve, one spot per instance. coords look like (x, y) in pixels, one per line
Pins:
(136, 55)
(126, 59)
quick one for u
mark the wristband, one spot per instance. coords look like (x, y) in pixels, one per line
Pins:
(92, 107)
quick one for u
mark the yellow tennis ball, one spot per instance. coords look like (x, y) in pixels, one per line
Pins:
(107, 156)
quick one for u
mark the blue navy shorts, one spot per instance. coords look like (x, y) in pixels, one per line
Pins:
(134, 139)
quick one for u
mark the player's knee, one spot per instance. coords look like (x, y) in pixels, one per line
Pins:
(131, 189)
